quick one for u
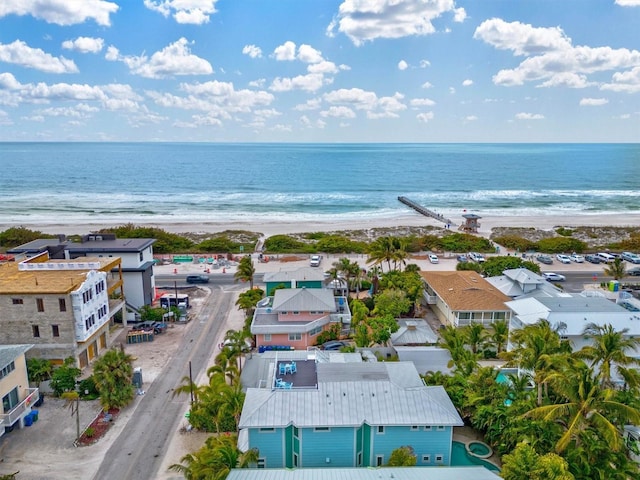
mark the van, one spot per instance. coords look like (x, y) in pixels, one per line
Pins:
(606, 257)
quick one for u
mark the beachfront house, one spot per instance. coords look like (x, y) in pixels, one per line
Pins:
(346, 414)
(571, 314)
(460, 298)
(136, 256)
(522, 283)
(17, 397)
(294, 317)
(305, 277)
(63, 307)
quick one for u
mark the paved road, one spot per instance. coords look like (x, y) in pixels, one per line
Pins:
(138, 452)
(169, 281)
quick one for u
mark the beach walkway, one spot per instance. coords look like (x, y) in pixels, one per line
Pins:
(425, 211)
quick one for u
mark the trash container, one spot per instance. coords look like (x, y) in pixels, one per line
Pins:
(28, 420)
(34, 414)
(137, 377)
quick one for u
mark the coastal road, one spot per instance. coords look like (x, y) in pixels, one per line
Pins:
(138, 451)
(169, 281)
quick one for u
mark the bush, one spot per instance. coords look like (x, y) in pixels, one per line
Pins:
(464, 242)
(64, 377)
(561, 244)
(14, 236)
(221, 244)
(89, 432)
(285, 244)
(516, 243)
(565, 232)
(339, 244)
(88, 385)
(165, 242)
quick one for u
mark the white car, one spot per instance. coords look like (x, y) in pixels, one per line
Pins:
(315, 261)
(630, 257)
(553, 277)
(476, 257)
(563, 258)
(576, 258)
(433, 258)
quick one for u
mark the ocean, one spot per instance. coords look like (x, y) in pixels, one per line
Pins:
(89, 183)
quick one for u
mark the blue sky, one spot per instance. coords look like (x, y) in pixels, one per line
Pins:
(320, 70)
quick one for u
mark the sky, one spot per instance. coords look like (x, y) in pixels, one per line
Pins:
(320, 70)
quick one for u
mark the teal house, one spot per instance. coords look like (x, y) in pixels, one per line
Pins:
(305, 277)
(336, 414)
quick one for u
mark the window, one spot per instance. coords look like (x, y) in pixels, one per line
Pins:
(100, 287)
(266, 337)
(296, 432)
(261, 463)
(296, 312)
(7, 370)
(40, 304)
(55, 330)
(63, 304)
(141, 256)
(439, 458)
(315, 331)
(295, 336)
(36, 330)
(427, 428)
(321, 429)
(379, 460)
(295, 460)
(90, 321)
(17, 301)
(464, 315)
(426, 458)
(440, 428)
(10, 400)
(414, 428)
(267, 430)
(380, 429)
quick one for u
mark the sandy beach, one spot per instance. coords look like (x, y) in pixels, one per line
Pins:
(543, 222)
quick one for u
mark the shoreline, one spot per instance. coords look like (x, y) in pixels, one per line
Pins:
(269, 228)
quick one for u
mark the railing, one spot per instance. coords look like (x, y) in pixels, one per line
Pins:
(430, 299)
(14, 414)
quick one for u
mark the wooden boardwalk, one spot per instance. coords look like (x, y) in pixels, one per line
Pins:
(425, 211)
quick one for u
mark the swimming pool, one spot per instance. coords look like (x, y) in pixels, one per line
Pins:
(460, 458)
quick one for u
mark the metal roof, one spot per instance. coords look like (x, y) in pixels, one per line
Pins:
(397, 473)
(304, 299)
(8, 353)
(413, 332)
(394, 397)
(301, 274)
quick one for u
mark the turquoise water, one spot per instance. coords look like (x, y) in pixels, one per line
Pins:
(460, 458)
(78, 183)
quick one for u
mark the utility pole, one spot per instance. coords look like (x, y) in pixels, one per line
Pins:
(191, 383)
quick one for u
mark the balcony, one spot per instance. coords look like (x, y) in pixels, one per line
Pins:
(13, 415)
(430, 299)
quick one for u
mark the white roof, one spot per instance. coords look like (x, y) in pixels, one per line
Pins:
(301, 274)
(519, 282)
(413, 332)
(303, 299)
(397, 473)
(375, 393)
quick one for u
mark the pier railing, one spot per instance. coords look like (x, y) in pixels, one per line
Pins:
(425, 211)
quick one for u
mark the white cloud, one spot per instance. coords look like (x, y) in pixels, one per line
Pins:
(426, 85)
(259, 83)
(425, 63)
(61, 12)
(452, 90)
(521, 38)
(338, 112)
(195, 12)
(286, 51)
(422, 102)
(356, 97)
(552, 59)
(324, 67)
(4, 118)
(425, 117)
(252, 51)
(19, 53)
(628, 3)
(402, 65)
(84, 44)
(471, 118)
(310, 83)
(593, 102)
(313, 104)
(174, 59)
(308, 54)
(628, 81)
(365, 21)
(388, 107)
(81, 110)
(459, 15)
(467, 83)
(529, 116)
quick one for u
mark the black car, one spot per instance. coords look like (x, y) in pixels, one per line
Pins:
(197, 279)
(156, 327)
(592, 258)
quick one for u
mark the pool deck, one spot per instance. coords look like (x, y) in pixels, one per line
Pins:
(468, 434)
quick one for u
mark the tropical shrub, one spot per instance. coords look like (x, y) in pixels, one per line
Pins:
(64, 377)
(14, 236)
(339, 244)
(515, 242)
(285, 244)
(165, 242)
(560, 244)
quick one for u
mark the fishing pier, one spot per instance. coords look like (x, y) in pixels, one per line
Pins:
(425, 211)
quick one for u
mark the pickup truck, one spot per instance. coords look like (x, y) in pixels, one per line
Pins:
(315, 260)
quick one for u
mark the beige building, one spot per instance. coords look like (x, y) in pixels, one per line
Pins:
(463, 297)
(17, 397)
(63, 307)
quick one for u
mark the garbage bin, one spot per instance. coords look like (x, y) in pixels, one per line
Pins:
(137, 377)
(28, 420)
(34, 415)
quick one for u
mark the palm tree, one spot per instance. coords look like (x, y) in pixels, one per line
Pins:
(344, 267)
(617, 269)
(499, 334)
(248, 300)
(381, 250)
(245, 271)
(609, 350)
(586, 407)
(113, 375)
(236, 342)
(475, 334)
(399, 254)
(536, 349)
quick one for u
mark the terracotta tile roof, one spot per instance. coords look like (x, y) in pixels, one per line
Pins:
(466, 291)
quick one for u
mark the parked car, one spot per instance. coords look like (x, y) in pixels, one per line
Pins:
(156, 327)
(634, 272)
(333, 345)
(592, 258)
(462, 258)
(546, 259)
(433, 258)
(606, 257)
(563, 258)
(576, 258)
(315, 261)
(553, 277)
(476, 257)
(630, 257)
(197, 279)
